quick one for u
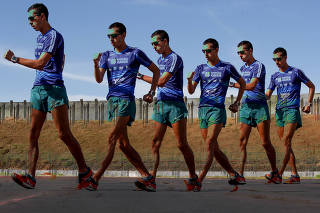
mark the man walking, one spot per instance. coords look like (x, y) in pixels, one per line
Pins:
(170, 109)
(122, 65)
(48, 95)
(288, 83)
(214, 77)
(254, 110)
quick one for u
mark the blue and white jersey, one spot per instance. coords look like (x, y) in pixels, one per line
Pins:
(255, 70)
(288, 86)
(173, 89)
(214, 82)
(122, 69)
(51, 42)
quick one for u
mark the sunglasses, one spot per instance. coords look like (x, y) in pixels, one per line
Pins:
(207, 50)
(114, 35)
(156, 43)
(277, 59)
(31, 18)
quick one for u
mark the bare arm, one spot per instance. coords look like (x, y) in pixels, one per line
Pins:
(192, 85)
(154, 81)
(311, 86)
(234, 106)
(268, 94)
(250, 86)
(98, 72)
(162, 80)
(31, 63)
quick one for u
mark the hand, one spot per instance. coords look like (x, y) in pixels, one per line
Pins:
(190, 76)
(148, 98)
(96, 58)
(8, 55)
(234, 107)
(306, 109)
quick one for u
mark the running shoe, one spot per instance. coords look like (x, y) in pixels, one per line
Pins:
(294, 179)
(193, 184)
(237, 180)
(86, 181)
(26, 181)
(147, 184)
(274, 177)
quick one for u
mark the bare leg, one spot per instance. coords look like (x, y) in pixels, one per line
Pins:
(60, 118)
(38, 119)
(245, 131)
(160, 130)
(131, 153)
(180, 131)
(216, 131)
(219, 155)
(264, 132)
(289, 152)
(112, 140)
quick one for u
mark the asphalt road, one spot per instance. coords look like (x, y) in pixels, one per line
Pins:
(120, 195)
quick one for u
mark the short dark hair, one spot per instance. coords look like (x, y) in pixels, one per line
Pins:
(212, 41)
(40, 8)
(247, 44)
(162, 34)
(120, 26)
(280, 50)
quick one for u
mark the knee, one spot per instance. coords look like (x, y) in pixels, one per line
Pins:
(65, 136)
(182, 145)
(155, 146)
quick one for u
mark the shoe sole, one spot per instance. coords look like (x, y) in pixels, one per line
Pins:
(234, 183)
(292, 183)
(272, 180)
(141, 186)
(21, 183)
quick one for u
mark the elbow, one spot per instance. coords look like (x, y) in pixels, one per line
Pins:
(190, 91)
(161, 84)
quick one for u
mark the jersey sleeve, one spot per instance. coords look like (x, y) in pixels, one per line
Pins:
(142, 58)
(173, 64)
(302, 77)
(258, 71)
(196, 77)
(103, 63)
(234, 73)
(272, 84)
(52, 42)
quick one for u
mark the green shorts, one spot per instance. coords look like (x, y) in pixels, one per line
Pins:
(285, 116)
(121, 107)
(211, 115)
(253, 114)
(169, 112)
(47, 97)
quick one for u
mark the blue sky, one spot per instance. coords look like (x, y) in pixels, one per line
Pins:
(267, 24)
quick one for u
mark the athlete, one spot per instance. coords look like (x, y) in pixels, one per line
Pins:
(288, 83)
(254, 111)
(214, 77)
(170, 109)
(122, 65)
(48, 95)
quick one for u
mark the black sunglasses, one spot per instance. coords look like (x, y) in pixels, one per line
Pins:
(31, 18)
(277, 59)
(156, 43)
(207, 50)
(114, 35)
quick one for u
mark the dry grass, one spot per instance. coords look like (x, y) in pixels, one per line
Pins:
(93, 140)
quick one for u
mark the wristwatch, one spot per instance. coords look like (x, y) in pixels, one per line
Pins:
(14, 59)
(309, 104)
(151, 92)
(231, 84)
(139, 75)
